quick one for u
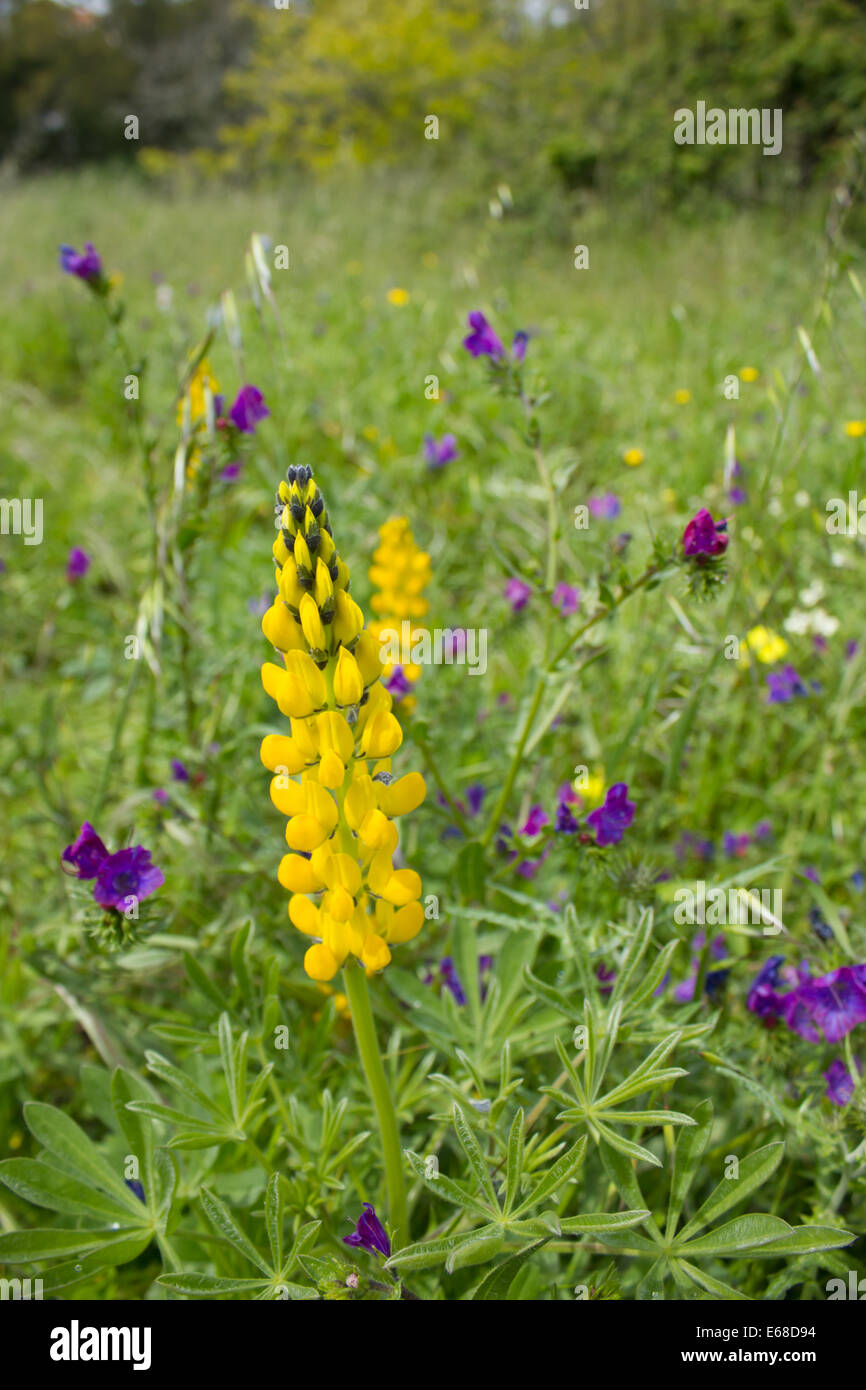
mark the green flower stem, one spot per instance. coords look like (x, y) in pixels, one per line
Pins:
(377, 1083)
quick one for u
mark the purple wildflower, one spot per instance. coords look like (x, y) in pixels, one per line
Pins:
(607, 506)
(77, 564)
(840, 1082)
(834, 1003)
(518, 347)
(231, 472)
(612, 819)
(126, 874)
(851, 649)
(565, 821)
(475, 794)
(86, 853)
(451, 980)
(161, 796)
(535, 821)
(482, 341)
(248, 410)
(86, 264)
(398, 684)
(437, 455)
(685, 991)
(603, 975)
(369, 1233)
(566, 599)
(735, 845)
(178, 771)
(738, 496)
(518, 593)
(762, 998)
(703, 536)
(784, 685)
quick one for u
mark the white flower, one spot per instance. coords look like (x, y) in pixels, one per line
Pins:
(813, 594)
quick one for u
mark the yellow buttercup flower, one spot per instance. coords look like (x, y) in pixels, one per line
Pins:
(748, 374)
(398, 297)
(767, 646)
(633, 457)
(332, 774)
(682, 397)
(855, 429)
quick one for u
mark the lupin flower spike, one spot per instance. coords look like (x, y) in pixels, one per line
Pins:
(333, 776)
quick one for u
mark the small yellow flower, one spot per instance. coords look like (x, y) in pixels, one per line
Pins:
(398, 297)
(683, 396)
(370, 433)
(748, 374)
(593, 793)
(855, 429)
(768, 646)
(195, 393)
(633, 457)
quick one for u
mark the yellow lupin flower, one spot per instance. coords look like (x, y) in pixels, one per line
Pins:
(194, 400)
(333, 777)
(400, 572)
(767, 646)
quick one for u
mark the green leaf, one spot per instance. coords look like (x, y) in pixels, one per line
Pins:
(449, 1190)
(473, 1152)
(602, 1221)
(221, 1218)
(514, 1166)
(753, 1171)
(565, 1167)
(629, 1241)
(806, 1240)
(198, 977)
(557, 1000)
(21, 1247)
(474, 1249)
(627, 1146)
(45, 1186)
(710, 1284)
(471, 872)
(423, 1253)
(621, 1174)
(137, 1129)
(120, 1250)
(209, 1285)
(737, 1236)
(63, 1137)
(494, 1287)
(179, 1081)
(687, 1155)
(274, 1219)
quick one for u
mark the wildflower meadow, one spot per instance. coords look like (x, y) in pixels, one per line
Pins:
(433, 859)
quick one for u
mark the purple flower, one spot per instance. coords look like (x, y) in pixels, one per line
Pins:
(437, 455)
(249, 408)
(86, 265)
(398, 684)
(851, 649)
(77, 565)
(784, 685)
(136, 1188)
(834, 1003)
(451, 980)
(857, 880)
(607, 506)
(763, 830)
(738, 496)
(161, 796)
(232, 471)
(126, 874)
(703, 536)
(178, 771)
(518, 347)
(762, 998)
(612, 819)
(475, 794)
(518, 594)
(735, 845)
(685, 991)
(602, 974)
(369, 1233)
(85, 854)
(840, 1082)
(566, 599)
(812, 874)
(453, 643)
(565, 821)
(535, 821)
(482, 341)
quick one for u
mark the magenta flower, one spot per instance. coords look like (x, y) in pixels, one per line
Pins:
(369, 1233)
(482, 341)
(248, 410)
(703, 536)
(437, 455)
(124, 875)
(86, 265)
(566, 599)
(86, 853)
(518, 593)
(607, 506)
(232, 471)
(611, 820)
(535, 821)
(77, 564)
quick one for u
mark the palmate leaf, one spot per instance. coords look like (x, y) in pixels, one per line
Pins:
(754, 1235)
